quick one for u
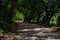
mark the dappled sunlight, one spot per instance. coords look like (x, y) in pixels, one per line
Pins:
(29, 19)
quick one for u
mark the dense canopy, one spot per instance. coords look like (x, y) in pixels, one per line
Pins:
(45, 12)
(40, 11)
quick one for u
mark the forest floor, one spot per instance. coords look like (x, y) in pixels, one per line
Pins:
(27, 31)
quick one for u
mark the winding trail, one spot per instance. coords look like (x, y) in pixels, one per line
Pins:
(28, 31)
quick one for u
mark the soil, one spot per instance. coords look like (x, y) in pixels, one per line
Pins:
(27, 31)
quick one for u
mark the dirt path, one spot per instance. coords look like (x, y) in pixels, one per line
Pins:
(27, 31)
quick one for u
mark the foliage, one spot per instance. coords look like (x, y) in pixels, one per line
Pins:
(19, 15)
(36, 11)
(40, 11)
(7, 12)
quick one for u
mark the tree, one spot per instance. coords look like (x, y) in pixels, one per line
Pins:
(34, 6)
(37, 8)
(7, 12)
(50, 9)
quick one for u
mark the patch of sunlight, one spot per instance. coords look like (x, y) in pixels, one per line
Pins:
(54, 19)
(50, 22)
(19, 15)
(32, 20)
(55, 22)
(37, 29)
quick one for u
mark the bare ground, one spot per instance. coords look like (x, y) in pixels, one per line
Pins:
(27, 31)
